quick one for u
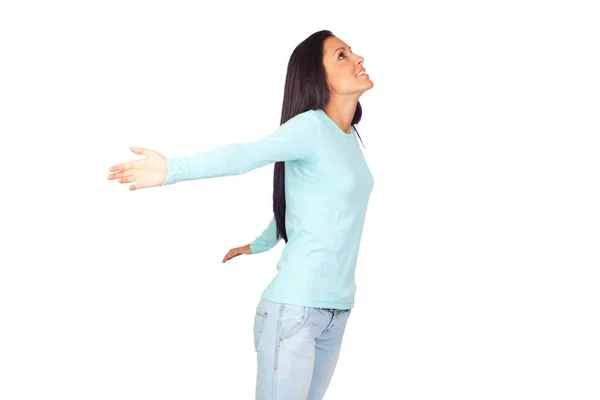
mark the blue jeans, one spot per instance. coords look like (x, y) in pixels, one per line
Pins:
(297, 349)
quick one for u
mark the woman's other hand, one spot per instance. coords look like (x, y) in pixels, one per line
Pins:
(236, 252)
(147, 172)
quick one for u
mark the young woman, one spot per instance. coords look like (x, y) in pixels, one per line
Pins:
(322, 186)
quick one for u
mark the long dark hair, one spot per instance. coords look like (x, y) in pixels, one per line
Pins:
(305, 89)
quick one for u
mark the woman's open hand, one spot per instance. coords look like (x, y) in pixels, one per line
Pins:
(236, 252)
(147, 172)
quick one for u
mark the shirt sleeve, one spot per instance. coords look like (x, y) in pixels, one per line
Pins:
(293, 140)
(267, 240)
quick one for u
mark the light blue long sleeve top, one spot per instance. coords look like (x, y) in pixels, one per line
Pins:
(267, 240)
(327, 190)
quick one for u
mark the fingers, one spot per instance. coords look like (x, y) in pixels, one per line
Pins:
(121, 167)
(126, 179)
(127, 166)
(120, 175)
(232, 254)
(124, 171)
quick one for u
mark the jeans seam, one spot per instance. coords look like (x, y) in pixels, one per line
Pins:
(261, 315)
(283, 335)
(276, 355)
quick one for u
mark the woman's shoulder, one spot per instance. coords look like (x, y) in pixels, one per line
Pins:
(307, 119)
(309, 114)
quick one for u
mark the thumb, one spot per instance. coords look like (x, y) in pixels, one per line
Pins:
(137, 150)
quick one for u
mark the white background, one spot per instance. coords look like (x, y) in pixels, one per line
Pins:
(478, 269)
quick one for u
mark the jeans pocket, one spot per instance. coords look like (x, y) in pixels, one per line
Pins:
(293, 318)
(259, 323)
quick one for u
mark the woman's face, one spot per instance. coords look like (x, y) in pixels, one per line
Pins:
(341, 66)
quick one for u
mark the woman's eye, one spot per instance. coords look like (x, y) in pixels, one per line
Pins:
(341, 54)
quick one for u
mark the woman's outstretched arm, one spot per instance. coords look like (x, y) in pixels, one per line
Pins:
(294, 140)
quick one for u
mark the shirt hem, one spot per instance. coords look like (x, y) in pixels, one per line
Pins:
(309, 303)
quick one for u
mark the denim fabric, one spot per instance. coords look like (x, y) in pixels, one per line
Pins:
(297, 349)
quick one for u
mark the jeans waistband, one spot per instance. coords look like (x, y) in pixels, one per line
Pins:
(330, 309)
